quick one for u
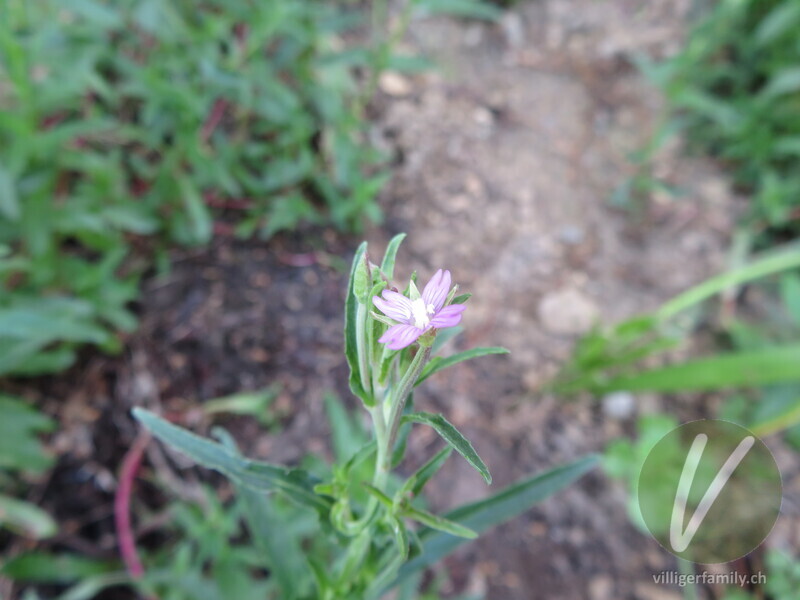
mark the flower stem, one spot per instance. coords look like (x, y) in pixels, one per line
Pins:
(399, 397)
(379, 422)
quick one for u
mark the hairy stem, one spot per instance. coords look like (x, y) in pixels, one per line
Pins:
(398, 400)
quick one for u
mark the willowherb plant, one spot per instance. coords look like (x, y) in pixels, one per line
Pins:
(374, 532)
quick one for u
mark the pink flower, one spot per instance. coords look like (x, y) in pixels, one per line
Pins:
(415, 317)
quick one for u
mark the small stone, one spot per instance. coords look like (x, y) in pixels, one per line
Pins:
(656, 592)
(619, 405)
(513, 28)
(567, 312)
(601, 587)
(483, 116)
(571, 235)
(394, 84)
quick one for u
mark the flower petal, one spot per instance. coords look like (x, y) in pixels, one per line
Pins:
(395, 306)
(449, 316)
(400, 336)
(436, 290)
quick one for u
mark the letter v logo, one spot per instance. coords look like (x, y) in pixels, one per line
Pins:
(679, 538)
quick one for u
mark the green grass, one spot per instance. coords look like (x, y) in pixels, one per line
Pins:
(125, 120)
(734, 90)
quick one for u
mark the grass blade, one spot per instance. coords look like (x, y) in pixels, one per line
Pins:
(762, 367)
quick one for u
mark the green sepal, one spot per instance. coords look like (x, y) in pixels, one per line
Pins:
(413, 292)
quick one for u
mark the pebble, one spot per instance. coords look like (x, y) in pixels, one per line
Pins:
(619, 405)
(567, 312)
(394, 84)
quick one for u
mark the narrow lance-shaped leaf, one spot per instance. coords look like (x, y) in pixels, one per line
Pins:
(25, 518)
(773, 262)
(387, 266)
(282, 553)
(400, 534)
(438, 363)
(297, 484)
(763, 367)
(439, 523)
(484, 514)
(443, 336)
(350, 324)
(453, 437)
(417, 481)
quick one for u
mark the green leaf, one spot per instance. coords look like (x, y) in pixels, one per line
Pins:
(787, 416)
(26, 519)
(296, 484)
(255, 404)
(9, 201)
(785, 17)
(42, 567)
(418, 480)
(88, 588)
(475, 9)
(453, 437)
(378, 495)
(347, 436)
(461, 298)
(769, 264)
(444, 336)
(439, 523)
(361, 280)
(786, 81)
(350, 324)
(387, 265)
(400, 534)
(196, 211)
(504, 506)
(438, 363)
(20, 448)
(281, 550)
(790, 295)
(762, 367)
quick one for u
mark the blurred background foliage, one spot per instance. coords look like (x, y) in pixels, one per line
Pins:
(125, 120)
(734, 92)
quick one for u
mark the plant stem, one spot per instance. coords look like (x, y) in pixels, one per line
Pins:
(398, 400)
(379, 422)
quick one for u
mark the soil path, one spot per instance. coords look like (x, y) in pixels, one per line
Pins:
(510, 154)
(506, 160)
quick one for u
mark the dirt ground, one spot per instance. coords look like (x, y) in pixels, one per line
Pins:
(505, 162)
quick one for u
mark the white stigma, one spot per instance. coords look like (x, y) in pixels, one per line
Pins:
(421, 313)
